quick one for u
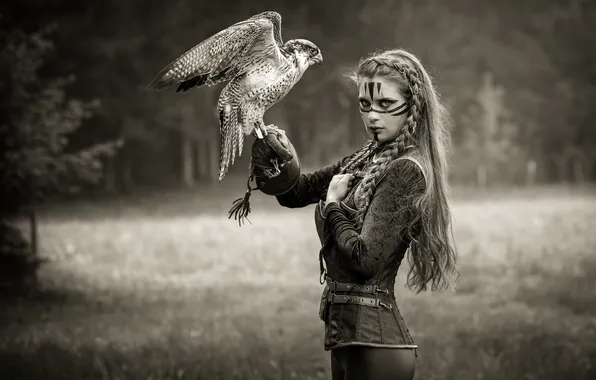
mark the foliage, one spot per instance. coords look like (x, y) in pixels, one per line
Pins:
(489, 147)
(38, 119)
(539, 52)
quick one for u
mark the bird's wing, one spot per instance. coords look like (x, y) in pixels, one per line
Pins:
(222, 56)
(275, 19)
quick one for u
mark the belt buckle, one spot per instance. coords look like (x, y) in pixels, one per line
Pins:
(331, 296)
(332, 285)
(376, 290)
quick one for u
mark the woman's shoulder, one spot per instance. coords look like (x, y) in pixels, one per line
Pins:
(403, 179)
(407, 167)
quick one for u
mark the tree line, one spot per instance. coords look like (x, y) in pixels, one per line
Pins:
(516, 76)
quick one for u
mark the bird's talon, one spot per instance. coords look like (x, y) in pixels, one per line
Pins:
(271, 128)
(264, 130)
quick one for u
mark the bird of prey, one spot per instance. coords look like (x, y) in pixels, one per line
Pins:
(261, 69)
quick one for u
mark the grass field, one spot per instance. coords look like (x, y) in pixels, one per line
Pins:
(166, 287)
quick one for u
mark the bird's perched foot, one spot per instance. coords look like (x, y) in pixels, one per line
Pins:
(272, 128)
(277, 140)
(261, 130)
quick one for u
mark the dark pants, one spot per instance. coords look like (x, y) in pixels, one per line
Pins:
(367, 363)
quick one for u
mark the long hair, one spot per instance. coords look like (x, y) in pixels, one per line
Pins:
(432, 255)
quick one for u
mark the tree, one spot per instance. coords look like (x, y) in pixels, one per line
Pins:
(489, 148)
(36, 121)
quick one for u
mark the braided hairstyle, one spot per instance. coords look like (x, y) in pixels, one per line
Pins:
(432, 253)
(395, 65)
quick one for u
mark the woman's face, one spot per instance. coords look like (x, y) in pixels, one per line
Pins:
(383, 108)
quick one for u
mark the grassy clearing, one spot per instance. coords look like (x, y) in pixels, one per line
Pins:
(169, 288)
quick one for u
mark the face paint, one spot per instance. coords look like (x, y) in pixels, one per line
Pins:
(399, 110)
(386, 99)
(395, 111)
(372, 89)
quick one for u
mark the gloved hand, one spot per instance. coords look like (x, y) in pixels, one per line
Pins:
(274, 166)
(272, 152)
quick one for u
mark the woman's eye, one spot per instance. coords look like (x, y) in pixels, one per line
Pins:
(364, 104)
(385, 103)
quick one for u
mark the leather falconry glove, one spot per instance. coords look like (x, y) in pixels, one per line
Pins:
(274, 166)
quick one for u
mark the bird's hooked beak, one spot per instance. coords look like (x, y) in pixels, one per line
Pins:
(318, 59)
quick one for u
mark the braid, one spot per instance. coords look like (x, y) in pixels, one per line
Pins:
(414, 114)
(393, 149)
(370, 180)
(358, 157)
(432, 254)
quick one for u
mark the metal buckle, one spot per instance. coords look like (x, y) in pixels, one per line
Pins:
(332, 285)
(377, 290)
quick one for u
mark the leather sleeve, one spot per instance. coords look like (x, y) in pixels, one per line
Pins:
(311, 187)
(384, 226)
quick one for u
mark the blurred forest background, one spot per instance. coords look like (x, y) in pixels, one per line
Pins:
(136, 253)
(518, 76)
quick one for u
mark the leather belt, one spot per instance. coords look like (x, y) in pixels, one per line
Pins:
(335, 286)
(364, 301)
(330, 296)
(333, 297)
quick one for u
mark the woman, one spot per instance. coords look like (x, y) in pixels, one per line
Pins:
(386, 199)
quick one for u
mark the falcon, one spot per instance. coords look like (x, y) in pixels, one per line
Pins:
(261, 70)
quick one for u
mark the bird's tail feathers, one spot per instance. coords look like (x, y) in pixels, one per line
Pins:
(240, 140)
(232, 137)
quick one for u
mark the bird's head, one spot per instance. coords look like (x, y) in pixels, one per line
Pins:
(304, 50)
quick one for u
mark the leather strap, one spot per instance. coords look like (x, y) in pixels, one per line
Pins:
(335, 286)
(364, 301)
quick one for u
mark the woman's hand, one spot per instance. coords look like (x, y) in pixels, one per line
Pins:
(339, 187)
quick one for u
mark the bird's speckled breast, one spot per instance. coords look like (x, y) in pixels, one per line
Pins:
(269, 84)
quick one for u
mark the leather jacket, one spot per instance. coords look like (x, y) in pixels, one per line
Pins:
(358, 304)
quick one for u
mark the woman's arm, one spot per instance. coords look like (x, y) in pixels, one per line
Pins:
(311, 187)
(383, 226)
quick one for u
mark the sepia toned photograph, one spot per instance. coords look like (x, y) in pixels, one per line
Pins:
(277, 190)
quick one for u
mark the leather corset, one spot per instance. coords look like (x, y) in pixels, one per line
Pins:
(358, 307)
(358, 304)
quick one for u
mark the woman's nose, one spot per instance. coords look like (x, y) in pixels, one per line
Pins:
(373, 116)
